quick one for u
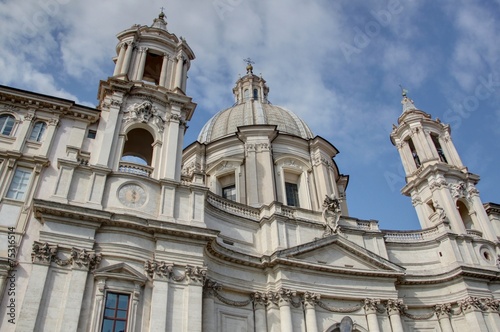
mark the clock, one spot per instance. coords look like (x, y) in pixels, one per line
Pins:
(132, 195)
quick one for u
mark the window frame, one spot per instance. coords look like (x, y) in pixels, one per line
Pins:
(8, 117)
(294, 199)
(15, 191)
(40, 133)
(116, 308)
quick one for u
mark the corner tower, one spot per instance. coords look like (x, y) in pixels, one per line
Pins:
(440, 186)
(144, 104)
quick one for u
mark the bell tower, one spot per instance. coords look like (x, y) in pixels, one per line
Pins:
(144, 104)
(440, 186)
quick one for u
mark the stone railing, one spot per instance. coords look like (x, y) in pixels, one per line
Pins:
(233, 207)
(412, 236)
(132, 168)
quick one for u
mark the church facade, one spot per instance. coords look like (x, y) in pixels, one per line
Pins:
(108, 224)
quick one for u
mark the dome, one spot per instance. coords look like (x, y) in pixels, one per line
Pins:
(252, 108)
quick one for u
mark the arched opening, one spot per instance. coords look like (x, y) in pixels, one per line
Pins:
(7, 122)
(439, 149)
(414, 154)
(152, 68)
(255, 94)
(137, 156)
(464, 214)
(38, 131)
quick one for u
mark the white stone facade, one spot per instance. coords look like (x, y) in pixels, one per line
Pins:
(108, 224)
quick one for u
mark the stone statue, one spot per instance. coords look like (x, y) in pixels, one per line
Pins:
(439, 211)
(331, 214)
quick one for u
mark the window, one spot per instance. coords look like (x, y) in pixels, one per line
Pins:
(91, 134)
(229, 192)
(37, 132)
(255, 94)
(292, 194)
(6, 124)
(439, 149)
(246, 94)
(115, 312)
(414, 152)
(19, 183)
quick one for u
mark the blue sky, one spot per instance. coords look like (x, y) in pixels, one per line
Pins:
(336, 64)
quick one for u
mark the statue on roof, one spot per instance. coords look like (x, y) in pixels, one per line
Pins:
(331, 214)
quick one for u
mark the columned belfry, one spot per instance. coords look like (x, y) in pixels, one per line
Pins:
(440, 186)
(147, 95)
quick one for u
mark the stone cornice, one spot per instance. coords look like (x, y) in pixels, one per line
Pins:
(27, 99)
(455, 273)
(97, 218)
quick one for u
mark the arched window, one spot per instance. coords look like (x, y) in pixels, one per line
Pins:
(255, 94)
(246, 94)
(439, 149)
(6, 124)
(137, 156)
(37, 131)
(414, 154)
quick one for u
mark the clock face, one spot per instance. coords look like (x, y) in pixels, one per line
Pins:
(132, 195)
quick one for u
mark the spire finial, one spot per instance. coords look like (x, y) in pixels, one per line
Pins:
(162, 13)
(407, 102)
(249, 65)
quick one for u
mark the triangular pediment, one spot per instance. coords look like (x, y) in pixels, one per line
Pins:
(338, 253)
(121, 271)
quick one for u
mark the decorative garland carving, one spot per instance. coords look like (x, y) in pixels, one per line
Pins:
(418, 317)
(146, 112)
(166, 270)
(344, 310)
(46, 253)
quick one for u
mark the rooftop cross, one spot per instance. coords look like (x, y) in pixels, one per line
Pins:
(249, 65)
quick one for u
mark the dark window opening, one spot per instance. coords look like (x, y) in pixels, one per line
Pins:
(229, 192)
(292, 194)
(91, 134)
(414, 154)
(439, 149)
(255, 94)
(152, 68)
(464, 213)
(138, 147)
(115, 313)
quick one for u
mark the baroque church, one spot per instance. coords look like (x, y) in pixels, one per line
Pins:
(108, 224)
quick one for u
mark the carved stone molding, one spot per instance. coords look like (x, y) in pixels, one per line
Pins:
(165, 270)
(46, 253)
(469, 304)
(443, 310)
(310, 299)
(259, 299)
(371, 305)
(145, 112)
(43, 252)
(395, 307)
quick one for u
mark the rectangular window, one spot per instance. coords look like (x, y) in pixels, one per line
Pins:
(229, 192)
(91, 134)
(19, 183)
(115, 312)
(292, 194)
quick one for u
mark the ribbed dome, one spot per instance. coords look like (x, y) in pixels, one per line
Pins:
(254, 110)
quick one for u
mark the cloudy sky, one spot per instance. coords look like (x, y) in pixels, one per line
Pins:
(337, 64)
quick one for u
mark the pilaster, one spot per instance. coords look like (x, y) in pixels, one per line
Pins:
(371, 314)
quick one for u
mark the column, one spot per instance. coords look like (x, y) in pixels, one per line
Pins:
(393, 309)
(310, 300)
(142, 62)
(160, 272)
(128, 58)
(194, 298)
(259, 311)
(371, 314)
(119, 62)
(41, 256)
(284, 303)
(208, 315)
(273, 312)
(172, 144)
(471, 307)
(164, 66)
(98, 303)
(443, 312)
(492, 317)
(83, 261)
(178, 71)
(481, 216)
